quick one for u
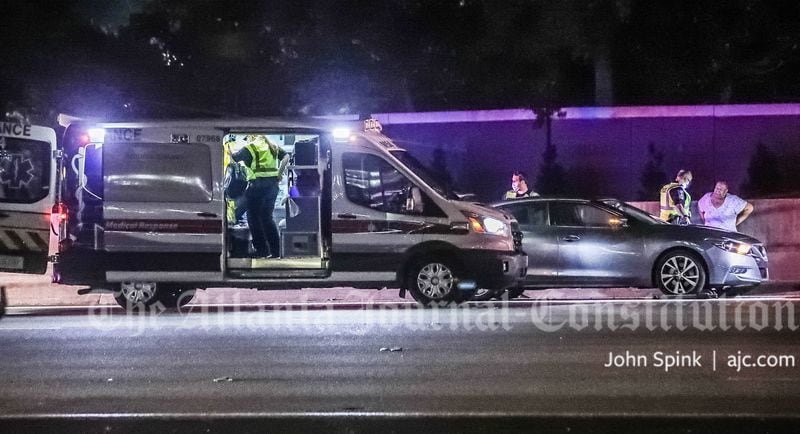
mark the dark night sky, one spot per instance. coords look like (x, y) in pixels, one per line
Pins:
(198, 57)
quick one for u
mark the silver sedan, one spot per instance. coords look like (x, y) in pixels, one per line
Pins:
(574, 243)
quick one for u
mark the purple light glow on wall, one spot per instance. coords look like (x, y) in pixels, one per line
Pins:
(605, 145)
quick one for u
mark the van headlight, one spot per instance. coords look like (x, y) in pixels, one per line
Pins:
(733, 246)
(487, 225)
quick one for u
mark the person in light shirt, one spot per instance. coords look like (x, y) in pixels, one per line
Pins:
(723, 210)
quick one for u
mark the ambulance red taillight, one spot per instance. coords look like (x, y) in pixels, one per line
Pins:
(61, 213)
(58, 219)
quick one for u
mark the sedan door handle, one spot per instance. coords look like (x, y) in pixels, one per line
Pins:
(347, 216)
(206, 214)
(571, 238)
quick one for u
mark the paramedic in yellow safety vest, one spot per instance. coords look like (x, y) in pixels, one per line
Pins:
(519, 187)
(675, 200)
(267, 162)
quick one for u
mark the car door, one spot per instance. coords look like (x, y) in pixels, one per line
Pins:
(27, 194)
(595, 245)
(371, 231)
(539, 241)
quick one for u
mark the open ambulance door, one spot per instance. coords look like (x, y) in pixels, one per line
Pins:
(302, 211)
(27, 195)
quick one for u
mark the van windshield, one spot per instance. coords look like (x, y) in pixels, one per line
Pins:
(433, 179)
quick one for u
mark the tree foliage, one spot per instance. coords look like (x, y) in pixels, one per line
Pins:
(273, 57)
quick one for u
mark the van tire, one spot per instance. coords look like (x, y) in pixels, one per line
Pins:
(485, 294)
(136, 296)
(434, 280)
(173, 297)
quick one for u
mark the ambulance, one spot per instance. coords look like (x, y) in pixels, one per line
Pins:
(140, 208)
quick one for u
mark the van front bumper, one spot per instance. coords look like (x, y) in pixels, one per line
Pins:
(494, 269)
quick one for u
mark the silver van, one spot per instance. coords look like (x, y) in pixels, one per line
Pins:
(140, 208)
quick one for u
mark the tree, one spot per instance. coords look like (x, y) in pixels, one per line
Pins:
(765, 174)
(552, 178)
(653, 175)
(439, 165)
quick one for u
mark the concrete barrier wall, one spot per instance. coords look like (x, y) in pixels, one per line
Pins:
(604, 150)
(776, 222)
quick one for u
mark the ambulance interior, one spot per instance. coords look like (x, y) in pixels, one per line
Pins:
(297, 208)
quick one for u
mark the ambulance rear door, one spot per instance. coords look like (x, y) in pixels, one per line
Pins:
(27, 195)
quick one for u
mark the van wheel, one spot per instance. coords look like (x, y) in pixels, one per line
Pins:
(172, 297)
(434, 280)
(136, 295)
(680, 272)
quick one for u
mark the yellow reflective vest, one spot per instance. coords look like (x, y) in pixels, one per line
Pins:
(264, 164)
(667, 205)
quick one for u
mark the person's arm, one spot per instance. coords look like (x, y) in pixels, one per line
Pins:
(243, 155)
(744, 214)
(701, 207)
(282, 165)
(677, 195)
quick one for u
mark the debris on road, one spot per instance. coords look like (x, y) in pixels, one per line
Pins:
(223, 380)
(392, 349)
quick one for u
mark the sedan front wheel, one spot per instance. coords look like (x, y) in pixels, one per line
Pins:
(680, 273)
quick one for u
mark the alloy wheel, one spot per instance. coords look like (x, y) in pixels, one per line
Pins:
(680, 275)
(435, 280)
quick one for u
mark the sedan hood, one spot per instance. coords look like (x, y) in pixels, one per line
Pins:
(699, 232)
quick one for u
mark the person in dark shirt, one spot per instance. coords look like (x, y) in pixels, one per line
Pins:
(675, 200)
(519, 187)
(267, 162)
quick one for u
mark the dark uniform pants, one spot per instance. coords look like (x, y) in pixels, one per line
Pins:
(261, 195)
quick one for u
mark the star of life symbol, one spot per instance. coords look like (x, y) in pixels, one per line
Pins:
(16, 171)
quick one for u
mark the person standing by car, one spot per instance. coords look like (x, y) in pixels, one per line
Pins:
(723, 210)
(519, 187)
(267, 161)
(675, 200)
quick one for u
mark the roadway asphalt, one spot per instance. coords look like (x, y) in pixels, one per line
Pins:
(480, 367)
(29, 291)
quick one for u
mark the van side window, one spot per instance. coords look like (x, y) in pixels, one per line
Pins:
(152, 172)
(372, 182)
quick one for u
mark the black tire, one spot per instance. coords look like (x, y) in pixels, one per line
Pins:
(513, 293)
(434, 279)
(680, 272)
(484, 294)
(136, 296)
(173, 297)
